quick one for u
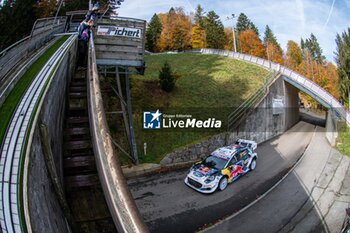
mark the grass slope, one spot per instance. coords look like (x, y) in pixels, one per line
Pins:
(208, 86)
(343, 145)
(10, 104)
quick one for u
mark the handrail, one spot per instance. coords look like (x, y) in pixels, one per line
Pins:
(4, 51)
(11, 56)
(310, 86)
(121, 204)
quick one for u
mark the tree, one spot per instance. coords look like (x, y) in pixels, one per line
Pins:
(46, 8)
(251, 44)
(229, 39)
(176, 33)
(166, 78)
(343, 63)
(243, 24)
(214, 30)
(274, 53)
(198, 16)
(294, 55)
(197, 37)
(16, 21)
(270, 37)
(153, 33)
(312, 45)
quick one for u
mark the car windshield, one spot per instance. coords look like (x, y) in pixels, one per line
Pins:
(215, 162)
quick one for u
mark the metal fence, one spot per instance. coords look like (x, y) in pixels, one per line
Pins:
(309, 86)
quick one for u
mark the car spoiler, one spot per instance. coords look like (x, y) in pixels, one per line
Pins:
(251, 144)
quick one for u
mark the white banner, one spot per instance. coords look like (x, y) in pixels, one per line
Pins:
(119, 31)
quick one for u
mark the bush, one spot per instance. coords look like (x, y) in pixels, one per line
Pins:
(167, 78)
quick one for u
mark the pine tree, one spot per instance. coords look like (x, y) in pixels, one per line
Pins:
(153, 32)
(270, 37)
(254, 28)
(214, 29)
(343, 63)
(198, 16)
(166, 78)
(274, 51)
(312, 45)
(243, 24)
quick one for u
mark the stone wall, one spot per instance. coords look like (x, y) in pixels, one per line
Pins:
(261, 125)
(197, 151)
(45, 212)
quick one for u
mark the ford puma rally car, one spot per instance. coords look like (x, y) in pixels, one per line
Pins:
(222, 167)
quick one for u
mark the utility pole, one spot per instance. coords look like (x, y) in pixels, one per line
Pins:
(233, 32)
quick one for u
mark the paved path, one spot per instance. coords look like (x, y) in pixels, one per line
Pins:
(312, 198)
(166, 202)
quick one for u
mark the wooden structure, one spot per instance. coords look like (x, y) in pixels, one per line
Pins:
(120, 42)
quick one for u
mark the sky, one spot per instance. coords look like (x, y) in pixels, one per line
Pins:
(288, 19)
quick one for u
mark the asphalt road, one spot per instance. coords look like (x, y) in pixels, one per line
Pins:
(168, 205)
(290, 200)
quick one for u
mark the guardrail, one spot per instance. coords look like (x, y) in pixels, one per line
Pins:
(42, 31)
(119, 199)
(309, 86)
(16, 147)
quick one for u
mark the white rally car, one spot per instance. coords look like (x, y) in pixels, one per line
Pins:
(223, 166)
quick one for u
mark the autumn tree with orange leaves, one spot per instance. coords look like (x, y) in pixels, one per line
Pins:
(176, 33)
(251, 44)
(323, 74)
(294, 56)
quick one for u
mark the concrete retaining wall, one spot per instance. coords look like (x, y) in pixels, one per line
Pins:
(260, 125)
(45, 212)
(331, 128)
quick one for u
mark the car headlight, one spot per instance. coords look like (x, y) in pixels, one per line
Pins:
(210, 179)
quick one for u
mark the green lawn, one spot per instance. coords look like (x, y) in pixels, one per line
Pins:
(208, 86)
(10, 104)
(343, 145)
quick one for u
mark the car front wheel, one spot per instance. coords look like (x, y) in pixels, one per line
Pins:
(223, 183)
(252, 165)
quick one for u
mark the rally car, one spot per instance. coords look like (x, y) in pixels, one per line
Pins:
(222, 167)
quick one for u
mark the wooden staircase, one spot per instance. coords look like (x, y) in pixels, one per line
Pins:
(82, 186)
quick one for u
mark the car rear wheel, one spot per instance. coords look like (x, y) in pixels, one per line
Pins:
(223, 183)
(252, 165)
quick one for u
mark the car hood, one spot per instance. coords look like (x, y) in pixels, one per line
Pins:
(202, 171)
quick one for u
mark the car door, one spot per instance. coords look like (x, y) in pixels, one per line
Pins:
(235, 168)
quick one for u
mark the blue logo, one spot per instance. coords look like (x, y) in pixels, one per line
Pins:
(151, 120)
